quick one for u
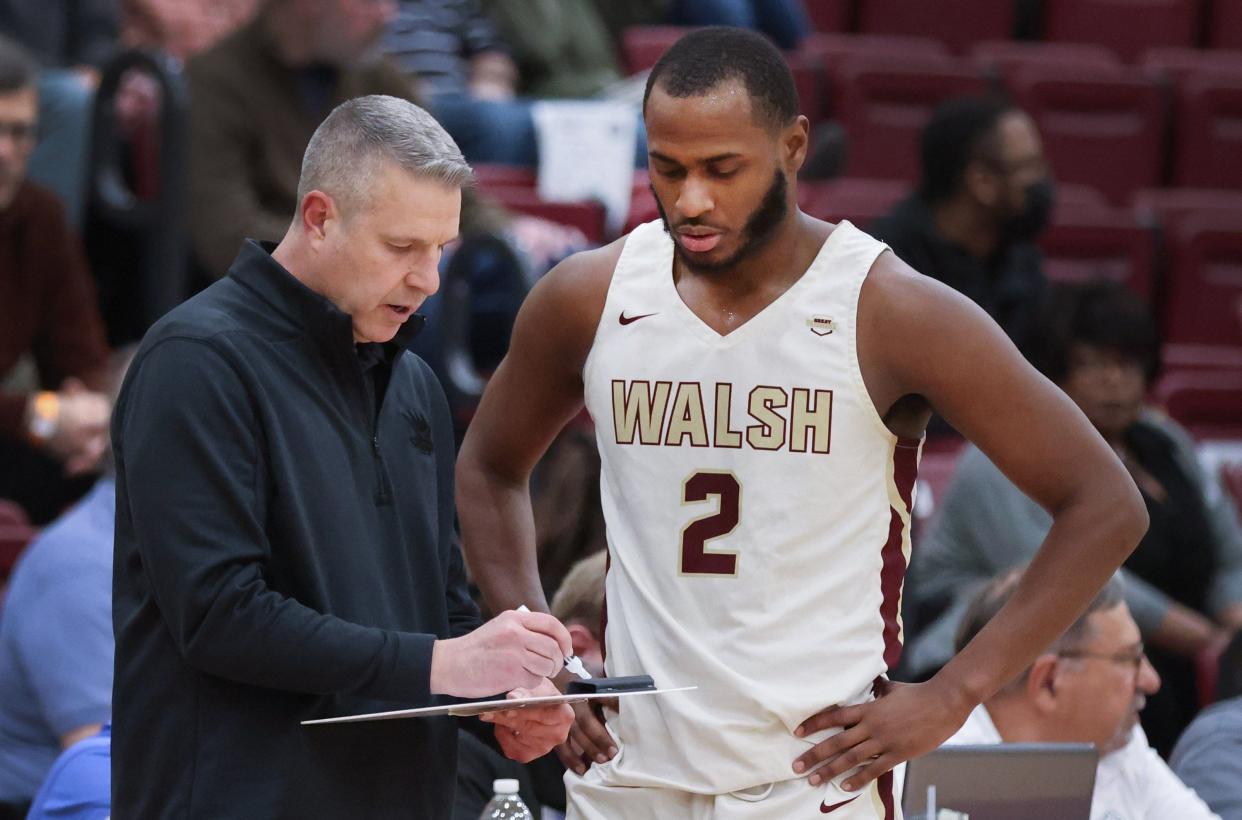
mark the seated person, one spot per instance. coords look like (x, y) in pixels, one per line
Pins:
(56, 644)
(1208, 756)
(1089, 687)
(53, 353)
(79, 786)
(461, 66)
(1184, 581)
(983, 199)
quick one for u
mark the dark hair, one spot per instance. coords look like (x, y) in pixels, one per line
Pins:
(961, 130)
(999, 590)
(704, 59)
(17, 69)
(1102, 313)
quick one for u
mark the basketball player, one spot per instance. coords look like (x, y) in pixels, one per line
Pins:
(760, 382)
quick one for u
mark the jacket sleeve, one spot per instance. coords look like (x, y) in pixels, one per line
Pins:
(192, 487)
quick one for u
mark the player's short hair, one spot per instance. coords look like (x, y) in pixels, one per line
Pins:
(997, 592)
(961, 131)
(17, 69)
(580, 598)
(705, 58)
(349, 147)
(1103, 314)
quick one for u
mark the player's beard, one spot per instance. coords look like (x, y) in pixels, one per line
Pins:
(760, 227)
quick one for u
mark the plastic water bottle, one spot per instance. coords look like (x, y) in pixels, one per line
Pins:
(505, 803)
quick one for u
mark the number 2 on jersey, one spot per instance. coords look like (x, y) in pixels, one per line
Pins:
(696, 559)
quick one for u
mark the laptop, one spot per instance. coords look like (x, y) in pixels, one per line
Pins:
(1009, 781)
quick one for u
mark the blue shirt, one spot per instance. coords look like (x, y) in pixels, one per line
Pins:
(56, 641)
(79, 786)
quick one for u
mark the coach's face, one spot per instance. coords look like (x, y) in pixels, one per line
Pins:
(380, 257)
(18, 116)
(720, 176)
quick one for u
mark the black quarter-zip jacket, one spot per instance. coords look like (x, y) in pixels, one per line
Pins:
(285, 550)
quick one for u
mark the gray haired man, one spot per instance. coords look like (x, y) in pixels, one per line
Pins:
(285, 541)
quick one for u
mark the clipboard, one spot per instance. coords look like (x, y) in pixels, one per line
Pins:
(479, 707)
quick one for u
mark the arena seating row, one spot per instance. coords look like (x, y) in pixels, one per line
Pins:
(1105, 123)
(1128, 27)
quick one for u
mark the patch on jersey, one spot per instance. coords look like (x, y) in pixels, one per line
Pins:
(821, 325)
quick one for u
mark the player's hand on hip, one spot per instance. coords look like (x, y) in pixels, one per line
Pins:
(530, 732)
(906, 721)
(589, 741)
(514, 650)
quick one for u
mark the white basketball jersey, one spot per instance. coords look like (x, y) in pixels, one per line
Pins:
(758, 517)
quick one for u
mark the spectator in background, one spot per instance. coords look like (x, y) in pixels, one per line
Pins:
(460, 65)
(56, 638)
(784, 21)
(1089, 687)
(1208, 756)
(53, 354)
(182, 28)
(1184, 586)
(984, 197)
(79, 785)
(71, 39)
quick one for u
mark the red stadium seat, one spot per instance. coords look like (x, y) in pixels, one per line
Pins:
(1094, 243)
(957, 23)
(1225, 23)
(642, 46)
(1102, 131)
(831, 51)
(1129, 27)
(858, 200)
(1207, 139)
(885, 103)
(1006, 56)
(588, 217)
(1208, 403)
(1166, 208)
(1204, 290)
(830, 15)
(1180, 63)
(808, 75)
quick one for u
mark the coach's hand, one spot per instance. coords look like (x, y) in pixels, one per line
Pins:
(907, 720)
(589, 741)
(514, 650)
(530, 732)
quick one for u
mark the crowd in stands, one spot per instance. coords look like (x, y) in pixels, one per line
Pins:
(1054, 161)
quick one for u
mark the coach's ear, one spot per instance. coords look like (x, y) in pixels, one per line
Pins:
(1041, 683)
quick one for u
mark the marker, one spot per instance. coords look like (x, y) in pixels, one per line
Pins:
(572, 662)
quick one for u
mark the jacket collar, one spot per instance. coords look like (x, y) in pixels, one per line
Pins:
(255, 269)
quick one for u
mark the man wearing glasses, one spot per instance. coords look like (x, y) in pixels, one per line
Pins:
(1089, 687)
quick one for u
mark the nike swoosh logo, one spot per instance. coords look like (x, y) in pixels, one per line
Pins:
(824, 808)
(625, 320)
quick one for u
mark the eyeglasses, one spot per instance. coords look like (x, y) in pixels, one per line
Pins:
(19, 132)
(1132, 659)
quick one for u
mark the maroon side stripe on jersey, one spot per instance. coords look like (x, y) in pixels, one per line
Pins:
(603, 611)
(893, 560)
(884, 784)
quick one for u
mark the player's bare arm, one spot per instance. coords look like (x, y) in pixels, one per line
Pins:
(536, 390)
(921, 344)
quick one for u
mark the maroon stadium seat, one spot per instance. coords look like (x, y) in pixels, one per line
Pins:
(831, 51)
(1129, 27)
(885, 103)
(830, 15)
(1207, 402)
(1204, 290)
(1207, 138)
(1167, 207)
(1006, 56)
(858, 200)
(1225, 23)
(808, 75)
(1094, 243)
(642, 46)
(1180, 63)
(588, 217)
(1102, 131)
(957, 23)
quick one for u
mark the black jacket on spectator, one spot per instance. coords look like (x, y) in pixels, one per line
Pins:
(284, 551)
(1010, 286)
